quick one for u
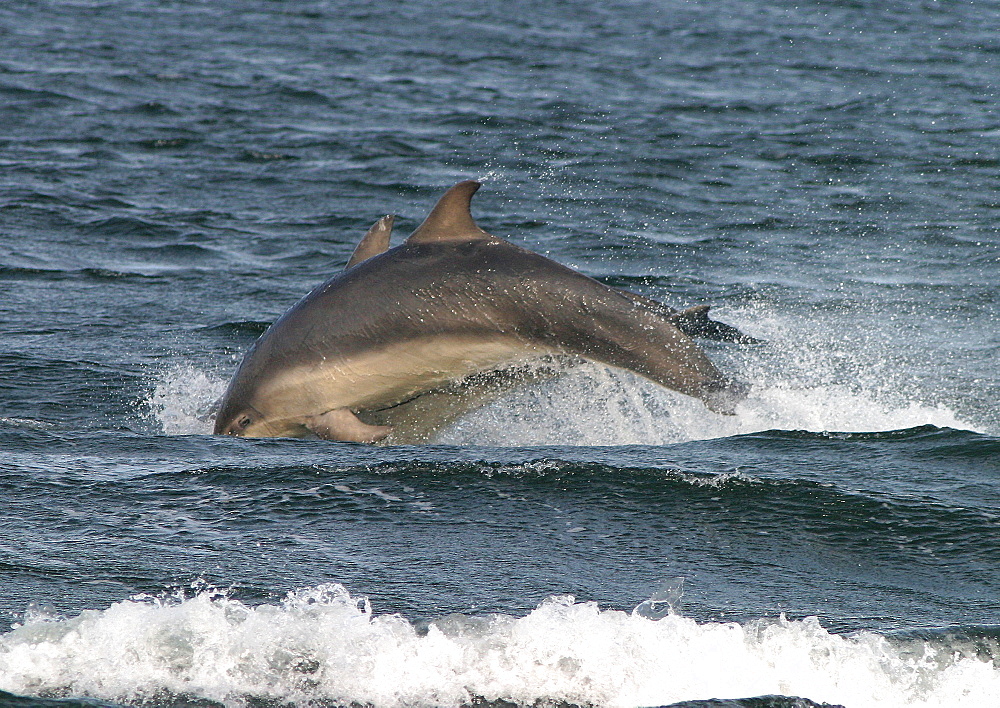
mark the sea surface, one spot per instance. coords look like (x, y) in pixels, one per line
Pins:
(824, 174)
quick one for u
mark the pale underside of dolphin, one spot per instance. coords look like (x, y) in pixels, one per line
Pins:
(406, 339)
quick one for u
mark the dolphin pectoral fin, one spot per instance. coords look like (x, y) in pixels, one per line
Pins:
(374, 242)
(341, 424)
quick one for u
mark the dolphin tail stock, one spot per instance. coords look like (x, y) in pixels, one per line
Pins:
(651, 346)
(374, 242)
(694, 321)
(343, 425)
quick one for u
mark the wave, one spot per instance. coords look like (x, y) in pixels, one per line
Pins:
(320, 644)
(597, 406)
(51, 274)
(810, 377)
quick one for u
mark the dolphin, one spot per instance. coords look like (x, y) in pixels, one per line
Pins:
(453, 313)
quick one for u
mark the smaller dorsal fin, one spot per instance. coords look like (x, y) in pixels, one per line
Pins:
(451, 218)
(376, 241)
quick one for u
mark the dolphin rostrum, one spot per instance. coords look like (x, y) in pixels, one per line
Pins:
(451, 305)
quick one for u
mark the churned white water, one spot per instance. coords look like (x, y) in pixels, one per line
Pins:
(804, 378)
(322, 644)
(183, 400)
(594, 405)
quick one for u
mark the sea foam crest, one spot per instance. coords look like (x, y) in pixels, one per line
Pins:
(321, 644)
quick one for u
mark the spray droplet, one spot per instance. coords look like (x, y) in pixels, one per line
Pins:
(666, 600)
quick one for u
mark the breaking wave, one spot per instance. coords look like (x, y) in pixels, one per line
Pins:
(322, 644)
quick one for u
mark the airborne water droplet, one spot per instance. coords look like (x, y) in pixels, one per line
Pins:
(666, 600)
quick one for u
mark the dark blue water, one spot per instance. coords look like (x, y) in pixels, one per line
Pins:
(826, 175)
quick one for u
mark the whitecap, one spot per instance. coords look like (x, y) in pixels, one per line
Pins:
(322, 644)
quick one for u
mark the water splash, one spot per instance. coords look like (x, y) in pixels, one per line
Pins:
(810, 376)
(322, 644)
(594, 405)
(665, 601)
(183, 401)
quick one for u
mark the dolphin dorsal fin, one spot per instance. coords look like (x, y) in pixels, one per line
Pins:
(451, 218)
(374, 242)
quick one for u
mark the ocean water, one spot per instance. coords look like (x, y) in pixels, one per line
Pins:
(826, 175)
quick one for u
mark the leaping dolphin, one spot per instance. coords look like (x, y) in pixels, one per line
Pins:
(451, 304)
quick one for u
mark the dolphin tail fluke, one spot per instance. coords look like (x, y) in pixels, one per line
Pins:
(722, 396)
(376, 241)
(342, 425)
(695, 322)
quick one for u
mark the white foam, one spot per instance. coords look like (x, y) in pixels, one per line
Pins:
(810, 376)
(181, 403)
(594, 405)
(29, 423)
(320, 644)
